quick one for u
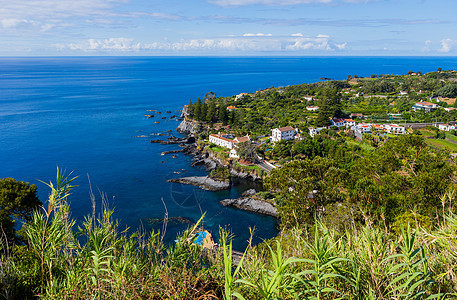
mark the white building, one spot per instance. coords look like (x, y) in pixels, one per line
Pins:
(338, 122)
(395, 129)
(239, 96)
(283, 133)
(364, 127)
(221, 140)
(349, 123)
(315, 131)
(449, 108)
(233, 153)
(446, 127)
(426, 106)
(312, 108)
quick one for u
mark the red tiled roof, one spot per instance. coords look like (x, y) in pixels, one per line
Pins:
(425, 103)
(220, 137)
(242, 139)
(349, 120)
(287, 128)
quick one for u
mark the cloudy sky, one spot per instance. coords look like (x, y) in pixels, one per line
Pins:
(228, 27)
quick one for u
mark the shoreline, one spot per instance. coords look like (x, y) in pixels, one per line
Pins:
(246, 202)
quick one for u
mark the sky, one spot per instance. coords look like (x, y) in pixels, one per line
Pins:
(228, 27)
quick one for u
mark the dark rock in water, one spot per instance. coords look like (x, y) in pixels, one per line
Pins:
(205, 182)
(164, 118)
(250, 204)
(171, 140)
(172, 151)
(158, 112)
(170, 220)
(168, 112)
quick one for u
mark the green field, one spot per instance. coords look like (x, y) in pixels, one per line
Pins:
(442, 144)
(364, 146)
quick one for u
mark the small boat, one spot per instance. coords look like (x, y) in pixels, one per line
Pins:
(156, 122)
(174, 156)
(168, 112)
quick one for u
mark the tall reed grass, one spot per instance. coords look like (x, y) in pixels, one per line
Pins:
(97, 261)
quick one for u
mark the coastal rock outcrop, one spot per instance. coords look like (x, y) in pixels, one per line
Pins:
(251, 204)
(186, 126)
(205, 182)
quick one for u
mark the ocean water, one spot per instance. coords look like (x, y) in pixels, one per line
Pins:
(84, 114)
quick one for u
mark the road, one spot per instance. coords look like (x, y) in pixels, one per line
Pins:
(261, 164)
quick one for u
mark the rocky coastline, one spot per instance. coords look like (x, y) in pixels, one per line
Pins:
(204, 182)
(250, 202)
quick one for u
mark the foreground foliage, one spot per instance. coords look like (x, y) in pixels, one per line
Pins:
(95, 261)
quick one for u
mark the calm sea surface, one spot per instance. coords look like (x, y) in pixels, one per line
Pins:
(84, 113)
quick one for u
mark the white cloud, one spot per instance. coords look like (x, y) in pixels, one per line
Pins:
(282, 2)
(426, 48)
(447, 45)
(23, 24)
(257, 34)
(308, 43)
(245, 43)
(296, 34)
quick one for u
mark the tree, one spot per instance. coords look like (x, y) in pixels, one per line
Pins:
(246, 151)
(197, 109)
(223, 115)
(18, 199)
(448, 91)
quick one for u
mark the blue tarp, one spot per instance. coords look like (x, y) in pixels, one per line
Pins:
(201, 236)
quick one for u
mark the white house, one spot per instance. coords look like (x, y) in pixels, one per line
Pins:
(221, 140)
(312, 108)
(233, 153)
(337, 122)
(395, 129)
(349, 122)
(426, 106)
(403, 93)
(446, 127)
(364, 127)
(239, 96)
(449, 108)
(283, 133)
(314, 131)
(308, 98)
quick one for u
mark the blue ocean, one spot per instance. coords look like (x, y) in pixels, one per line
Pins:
(86, 115)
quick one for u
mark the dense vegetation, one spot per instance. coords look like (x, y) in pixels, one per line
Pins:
(375, 97)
